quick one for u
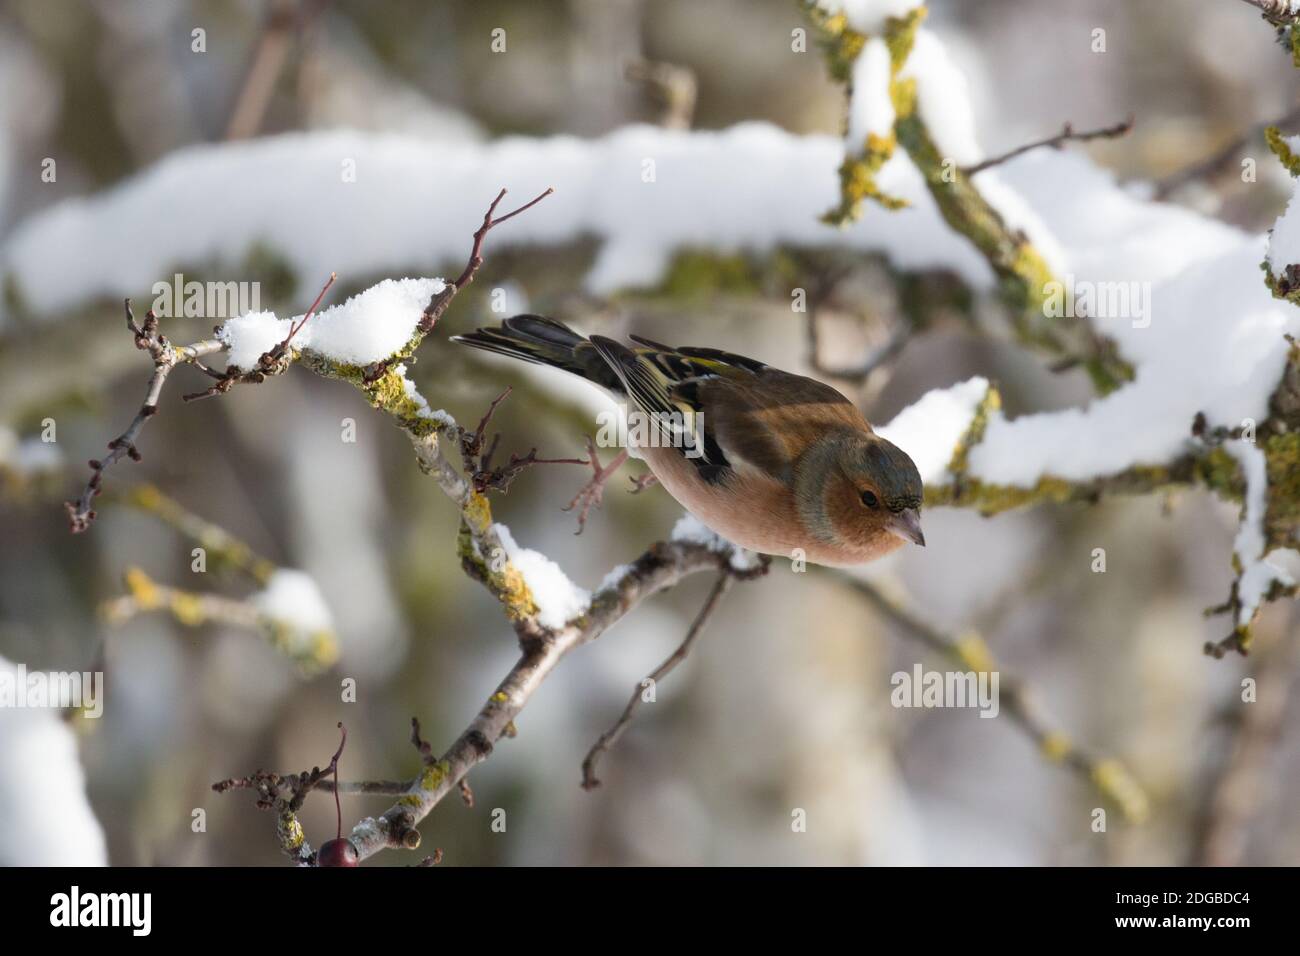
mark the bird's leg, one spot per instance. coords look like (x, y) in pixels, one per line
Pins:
(593, 491)
(641, 482)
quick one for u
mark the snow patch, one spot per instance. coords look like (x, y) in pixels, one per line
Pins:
(693, 531)
(367, 328)
(868, 16)
(558, 599)
(45, 818)
(293, 597)
(1284, 240)
(422, 404)
(28, 456)
(930, 428)
(871, 110)
(1258, 572)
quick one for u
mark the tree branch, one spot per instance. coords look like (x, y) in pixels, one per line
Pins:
(1217, 162)
(1277, 12)
(969, 651)
(1066, 135)
(610, 737)
(165, 357)
(657, 569)
(222, 547)
(312, 651)
(1024, 274)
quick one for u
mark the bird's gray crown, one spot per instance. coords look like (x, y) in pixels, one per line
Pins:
(893, 472)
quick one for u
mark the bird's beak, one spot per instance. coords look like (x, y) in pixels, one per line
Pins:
(907, 525)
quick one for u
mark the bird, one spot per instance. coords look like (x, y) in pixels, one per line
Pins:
(771, 461)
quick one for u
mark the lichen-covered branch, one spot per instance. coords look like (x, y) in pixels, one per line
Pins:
(312, 650)
(1208, 462)
(970, 651)
(659, 568)
(1024, 277)
(222, 549)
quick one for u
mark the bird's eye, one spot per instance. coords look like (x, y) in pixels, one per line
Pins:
(870, 500)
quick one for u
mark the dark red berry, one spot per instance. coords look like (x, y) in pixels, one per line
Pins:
(337, 853)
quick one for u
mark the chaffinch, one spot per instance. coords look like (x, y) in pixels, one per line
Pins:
(774, 462)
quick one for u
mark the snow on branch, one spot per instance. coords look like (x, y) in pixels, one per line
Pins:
(904, 91)
(288, 609)
(752, 188)
(1205, 355)
(1164, 359)
(290, 613)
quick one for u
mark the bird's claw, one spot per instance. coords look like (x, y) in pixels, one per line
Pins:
(593, 492)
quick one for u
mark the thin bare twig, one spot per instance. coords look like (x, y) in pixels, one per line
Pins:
(267, 63)
(499, 478)
(1216, 163)
(334, 769)
(471, 443)
(439, 301)
(165, 357)
(271, 362)
(610, 737)
(284, 346)
(478, 460)
(1066, 135)
(419, 743)
(476, 251)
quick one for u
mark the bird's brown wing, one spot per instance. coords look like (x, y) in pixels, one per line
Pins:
(769, 418)
(746, 412)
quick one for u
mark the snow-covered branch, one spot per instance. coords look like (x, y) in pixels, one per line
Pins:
(1144, 434)
(1188, 348)
(289, 612)
(904, 91)
(659, 568)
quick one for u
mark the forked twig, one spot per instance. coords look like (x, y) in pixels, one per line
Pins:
(610, 737)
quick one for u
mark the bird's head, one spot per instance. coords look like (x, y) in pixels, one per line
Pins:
(859, 490)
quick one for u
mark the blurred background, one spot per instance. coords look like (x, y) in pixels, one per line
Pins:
(785, 702)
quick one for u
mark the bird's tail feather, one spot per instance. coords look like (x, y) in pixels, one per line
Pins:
(544, 341)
